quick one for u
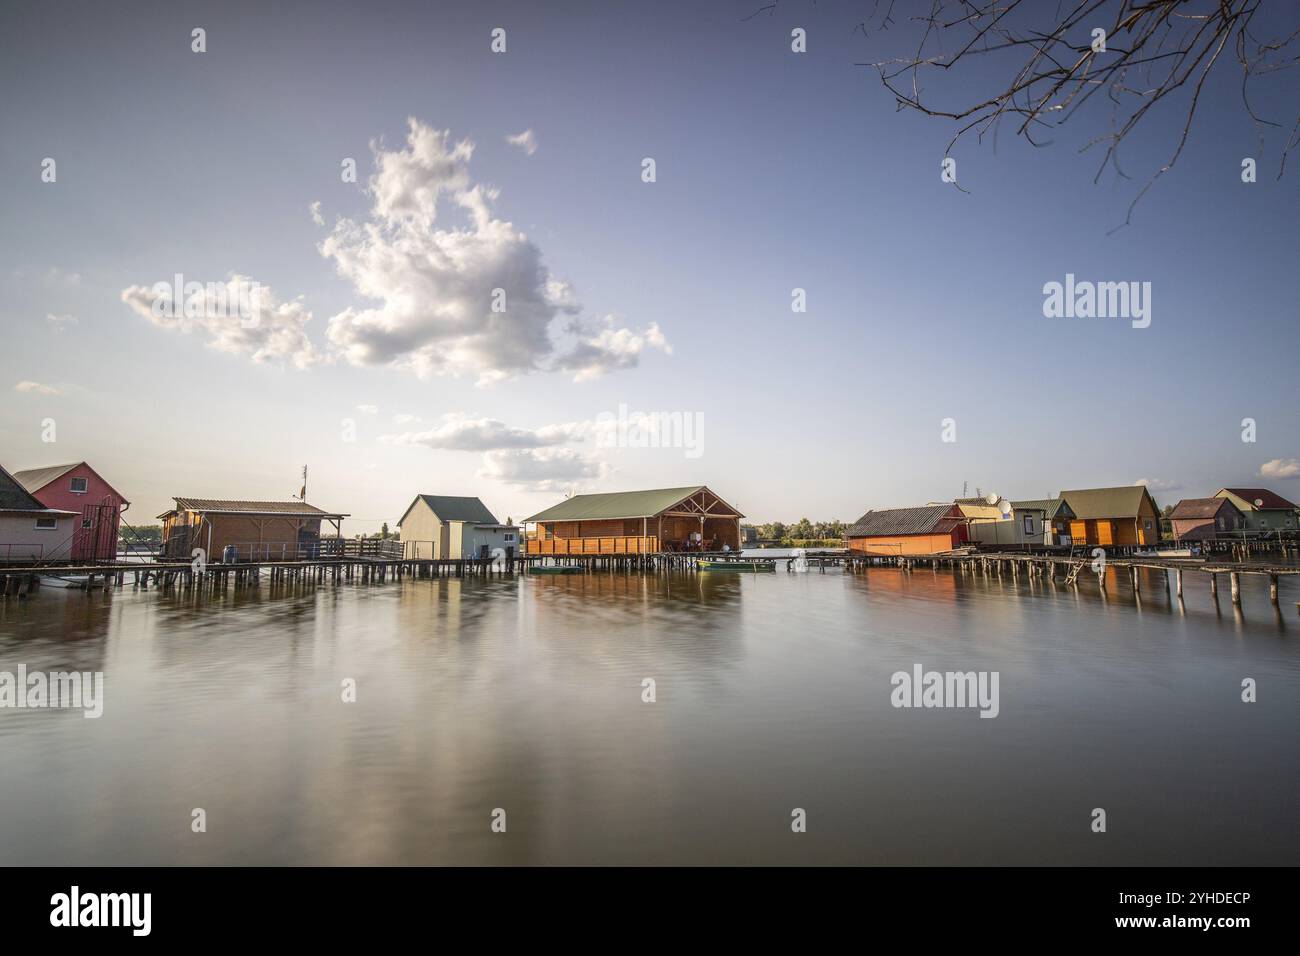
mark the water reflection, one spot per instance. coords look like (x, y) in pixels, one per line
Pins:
(771, 692)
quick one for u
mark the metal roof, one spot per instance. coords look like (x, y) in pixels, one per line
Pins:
(1050, 505)
(1122, 502)
(621, 504)
(454, 508)
(928, 519)
(1200, 507)
(14, 497)
(1272, 502)
(222, 505)
(34, 479)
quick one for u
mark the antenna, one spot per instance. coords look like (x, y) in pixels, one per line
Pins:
(302, 495)
(963, 489)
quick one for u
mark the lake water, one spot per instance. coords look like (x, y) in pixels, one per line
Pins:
(772, 693)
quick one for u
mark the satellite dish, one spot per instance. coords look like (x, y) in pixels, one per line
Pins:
(991, 498)
(1006, 508)
(1259, 502)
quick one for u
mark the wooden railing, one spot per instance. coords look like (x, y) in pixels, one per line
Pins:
(618, 545)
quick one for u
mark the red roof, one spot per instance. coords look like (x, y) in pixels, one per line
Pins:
(1271, 501)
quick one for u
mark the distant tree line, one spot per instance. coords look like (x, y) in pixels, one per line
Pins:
(802, 533)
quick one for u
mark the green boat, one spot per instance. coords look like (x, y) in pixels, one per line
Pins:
(763, 564)
(555, 569)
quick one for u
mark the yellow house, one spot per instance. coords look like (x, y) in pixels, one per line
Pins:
(1126, 516)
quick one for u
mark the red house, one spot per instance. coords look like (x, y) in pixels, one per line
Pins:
(79, 488)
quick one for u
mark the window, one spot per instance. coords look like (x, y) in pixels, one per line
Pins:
(86, 523)
(510, 537)
(47, 524)
(1147, 525)
(1029, 524)
(78, 486)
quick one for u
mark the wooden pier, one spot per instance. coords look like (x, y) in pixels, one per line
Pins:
(19, 580)
(1070, 567)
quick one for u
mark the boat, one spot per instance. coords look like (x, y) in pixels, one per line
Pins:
(555, 569)
(745, 564)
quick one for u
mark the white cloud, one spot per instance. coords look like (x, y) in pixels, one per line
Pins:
(60, 321)
(37, 388)
(316, 217)
(610, 348)
(1280, 468)
(405, 418)
(542, 469)
(1157, 484)
(435, 287)
(488, 434)
(368, 409)
(239, 316)
(527, 140)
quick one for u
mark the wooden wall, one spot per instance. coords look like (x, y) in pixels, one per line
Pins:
(886, 545)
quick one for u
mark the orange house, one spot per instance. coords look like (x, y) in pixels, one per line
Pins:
(1126, 516)
(931, 529)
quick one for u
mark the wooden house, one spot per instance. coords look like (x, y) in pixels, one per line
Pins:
(1202, 519)
(78, 487)
(29, 531)
(929, 529)
(447, 526)
(1264, 511)
(256, 530)
(1126, 516)
(662, 519)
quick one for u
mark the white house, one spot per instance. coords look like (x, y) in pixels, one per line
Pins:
(446, 526)
(29, 531)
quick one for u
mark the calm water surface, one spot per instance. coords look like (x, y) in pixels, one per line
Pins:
(773, 693)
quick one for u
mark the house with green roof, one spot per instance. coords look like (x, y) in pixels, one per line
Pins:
(452, 527)
(1123, 517)
(691, 518)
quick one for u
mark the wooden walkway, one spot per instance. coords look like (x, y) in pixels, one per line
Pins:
(19, 580)
(1070, 567)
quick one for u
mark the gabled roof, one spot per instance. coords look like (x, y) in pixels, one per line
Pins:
(1201, 507)
(1122, 502)
(454, 508)
(14, 497)
(928, 519)
(978, 508)
(1271, 501)
(34, 479)
(226, 506)
(620, 504)
(1051, 505)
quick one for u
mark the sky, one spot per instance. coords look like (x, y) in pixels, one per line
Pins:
(499, 284)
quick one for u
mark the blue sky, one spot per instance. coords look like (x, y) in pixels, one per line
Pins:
(775, 170)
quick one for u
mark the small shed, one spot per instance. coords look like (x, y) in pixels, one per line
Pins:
(929, 529)
(450, 526)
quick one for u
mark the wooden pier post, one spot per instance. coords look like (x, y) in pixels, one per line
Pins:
(1214, 585)
(1272, 588)
(1236, 587)
(1179, 575)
